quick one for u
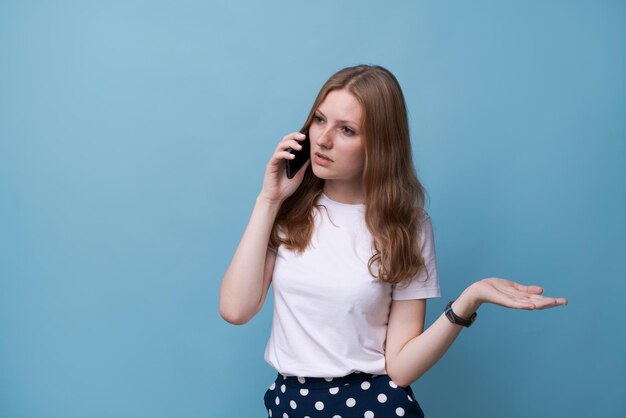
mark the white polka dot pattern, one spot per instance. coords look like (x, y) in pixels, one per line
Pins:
(362, 396)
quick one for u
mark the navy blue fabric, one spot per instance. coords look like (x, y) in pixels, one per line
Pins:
(357, 395)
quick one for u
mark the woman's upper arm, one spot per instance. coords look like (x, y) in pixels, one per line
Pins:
(268, 271)
(406, 321)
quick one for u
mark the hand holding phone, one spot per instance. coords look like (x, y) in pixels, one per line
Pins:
(302, 156)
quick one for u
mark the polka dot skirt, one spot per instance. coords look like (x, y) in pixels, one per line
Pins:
(357, 395)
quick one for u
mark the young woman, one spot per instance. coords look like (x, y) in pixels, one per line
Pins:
(350, 251)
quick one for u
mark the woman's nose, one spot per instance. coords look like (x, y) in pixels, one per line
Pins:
(324, 139)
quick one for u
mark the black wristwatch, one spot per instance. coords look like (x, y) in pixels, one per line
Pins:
(455, 319)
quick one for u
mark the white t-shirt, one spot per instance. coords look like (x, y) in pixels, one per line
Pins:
(330, 315)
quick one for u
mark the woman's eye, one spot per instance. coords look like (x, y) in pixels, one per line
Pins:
(317, 118)
(348, 131)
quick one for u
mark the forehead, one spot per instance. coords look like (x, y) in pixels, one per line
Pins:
(341, 105)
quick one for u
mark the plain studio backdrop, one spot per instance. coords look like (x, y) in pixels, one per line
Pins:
(133, 139)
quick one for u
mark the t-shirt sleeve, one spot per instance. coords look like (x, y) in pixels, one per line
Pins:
(426, 283)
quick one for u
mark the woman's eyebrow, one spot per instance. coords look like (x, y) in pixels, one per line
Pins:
(340, 121)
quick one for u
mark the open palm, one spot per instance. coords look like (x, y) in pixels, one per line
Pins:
(513, 295)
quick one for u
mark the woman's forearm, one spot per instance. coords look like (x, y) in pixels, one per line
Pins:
(242, 284)
(423, 351)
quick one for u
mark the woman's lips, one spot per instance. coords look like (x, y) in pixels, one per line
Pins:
(323, 160)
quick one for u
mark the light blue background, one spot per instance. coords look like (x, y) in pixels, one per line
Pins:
(133, 139)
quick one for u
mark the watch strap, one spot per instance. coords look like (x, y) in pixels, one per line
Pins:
(455, 319)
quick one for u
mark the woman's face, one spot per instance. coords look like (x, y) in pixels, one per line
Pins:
(337, 150)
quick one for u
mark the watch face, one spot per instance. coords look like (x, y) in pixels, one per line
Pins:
(450, 315)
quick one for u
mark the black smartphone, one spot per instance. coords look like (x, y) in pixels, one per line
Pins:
(301, 156)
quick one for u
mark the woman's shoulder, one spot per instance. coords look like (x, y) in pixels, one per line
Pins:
(424, 217)
(424, 228)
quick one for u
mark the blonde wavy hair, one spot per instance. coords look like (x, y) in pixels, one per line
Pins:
(394, 197)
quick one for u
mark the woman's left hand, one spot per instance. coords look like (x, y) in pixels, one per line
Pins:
(512, 295)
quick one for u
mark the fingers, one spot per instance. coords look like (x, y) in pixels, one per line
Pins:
(551, 303)
(533, 302)
(535, 296)
(289, 142)
(536, 290)
(518, 299)
(518, 296)
(288, 145)
(299, 136)
(291, 139)
(514, 302)
(285, 155)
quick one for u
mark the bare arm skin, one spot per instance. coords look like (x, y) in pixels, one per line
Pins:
(411, 352)
(249, 274)
(247, 279)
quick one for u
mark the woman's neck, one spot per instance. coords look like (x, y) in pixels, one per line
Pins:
(344, 193)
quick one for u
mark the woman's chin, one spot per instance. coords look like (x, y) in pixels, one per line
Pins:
(319, 172)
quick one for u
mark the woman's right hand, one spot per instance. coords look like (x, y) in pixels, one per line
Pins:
(276, 186)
